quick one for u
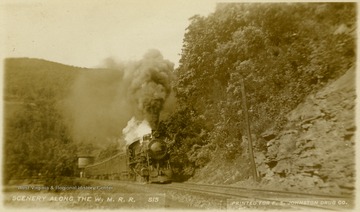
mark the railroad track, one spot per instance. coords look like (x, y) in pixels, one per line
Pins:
(237, 197)
(240, 198)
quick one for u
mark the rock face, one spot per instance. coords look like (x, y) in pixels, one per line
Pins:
(316, 149)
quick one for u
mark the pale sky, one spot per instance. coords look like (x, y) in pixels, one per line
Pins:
(85, 32)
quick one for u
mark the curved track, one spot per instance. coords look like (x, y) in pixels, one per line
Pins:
(230, 197)
(237, 197)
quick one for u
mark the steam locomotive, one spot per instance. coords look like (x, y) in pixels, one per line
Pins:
(146, 159)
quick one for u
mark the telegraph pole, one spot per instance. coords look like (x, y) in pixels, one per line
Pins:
(248, 132)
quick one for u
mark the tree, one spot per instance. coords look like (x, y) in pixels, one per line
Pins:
(284, 51)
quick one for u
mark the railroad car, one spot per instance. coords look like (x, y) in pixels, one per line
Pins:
(145, 159)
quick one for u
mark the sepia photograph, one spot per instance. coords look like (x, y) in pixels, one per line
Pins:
(178, 105)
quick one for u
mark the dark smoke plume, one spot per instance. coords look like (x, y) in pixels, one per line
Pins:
(150, 85)
(103, 101)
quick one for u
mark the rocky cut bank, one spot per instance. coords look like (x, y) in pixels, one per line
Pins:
(316, 149)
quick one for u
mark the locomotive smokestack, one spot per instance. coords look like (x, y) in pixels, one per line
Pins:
(155, 133)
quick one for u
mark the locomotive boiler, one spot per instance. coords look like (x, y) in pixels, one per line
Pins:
(145, 159)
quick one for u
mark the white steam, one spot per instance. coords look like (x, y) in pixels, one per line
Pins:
(135, 129)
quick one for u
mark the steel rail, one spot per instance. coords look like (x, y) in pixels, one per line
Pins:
(279, 198)
(345, 196)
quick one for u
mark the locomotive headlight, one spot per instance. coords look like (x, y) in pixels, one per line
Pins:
(157, 149)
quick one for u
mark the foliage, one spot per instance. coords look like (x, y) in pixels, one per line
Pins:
(183, 130)
(29, 79)
(35, 144)
(36, 141)
(282, 51)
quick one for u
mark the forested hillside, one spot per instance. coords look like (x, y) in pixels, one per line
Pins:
(26, 79)
(36, 140)
(283, 52)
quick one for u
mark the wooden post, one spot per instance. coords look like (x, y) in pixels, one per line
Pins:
(248, 132)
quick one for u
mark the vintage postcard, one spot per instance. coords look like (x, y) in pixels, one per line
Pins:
(178, 105)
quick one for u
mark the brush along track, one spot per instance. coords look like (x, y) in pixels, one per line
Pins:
(237, 197)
